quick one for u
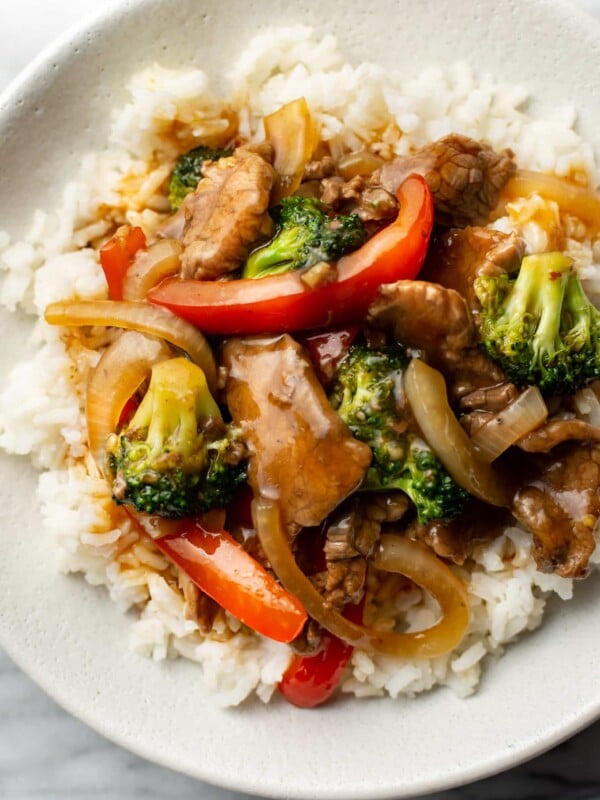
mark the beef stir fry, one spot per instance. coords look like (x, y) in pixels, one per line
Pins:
(388, 382)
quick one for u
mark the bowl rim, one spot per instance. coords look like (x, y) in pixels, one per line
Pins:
(232, 783)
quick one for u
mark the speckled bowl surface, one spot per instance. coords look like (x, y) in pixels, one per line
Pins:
(70, 638)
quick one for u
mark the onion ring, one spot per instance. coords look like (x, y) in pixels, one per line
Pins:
(292, 133)
(580, 201)
(505, 428)
(149, 267)
(425, 389)
(396, 554)
(123, 367)
(141, 317)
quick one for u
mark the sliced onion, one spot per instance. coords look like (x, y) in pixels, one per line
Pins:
(293, 134)
(150, 266)
(588, 406)
(396, 554)
(123, 367)
(576, 200)
(426, 393)
(519, 418)
(158, 527)
(360, 162)
(141, 317)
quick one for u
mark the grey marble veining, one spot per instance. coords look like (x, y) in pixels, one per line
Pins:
(47, 755)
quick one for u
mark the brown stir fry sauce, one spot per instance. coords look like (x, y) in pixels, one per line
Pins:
(301, 453)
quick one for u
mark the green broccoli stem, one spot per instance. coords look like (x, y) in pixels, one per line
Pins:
(538, 292)
(531, 315)
(172, 411)
(367, 395)
(277, 256)
(545, 279)
(305, 234)
(580, 313)
(541, 328)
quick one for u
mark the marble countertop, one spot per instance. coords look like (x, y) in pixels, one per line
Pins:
(45, 753)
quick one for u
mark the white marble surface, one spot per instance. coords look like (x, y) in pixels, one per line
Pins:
(46, 754)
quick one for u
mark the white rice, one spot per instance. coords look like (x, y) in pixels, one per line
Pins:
(41, 407)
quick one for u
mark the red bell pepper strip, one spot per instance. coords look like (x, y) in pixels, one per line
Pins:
(221, 568)
(280, 303)
(129, 409)
(327, 350)
(117, 254)
(311, 680)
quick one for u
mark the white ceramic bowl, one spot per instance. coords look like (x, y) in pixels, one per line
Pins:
(70, 638)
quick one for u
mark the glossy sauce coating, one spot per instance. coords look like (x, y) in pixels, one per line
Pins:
(301, 454)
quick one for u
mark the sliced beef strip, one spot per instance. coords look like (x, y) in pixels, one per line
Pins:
(434, 319)
(350, 534)
(456, 539)
(226, 214)
(372, 203)
(350, 540)
(549, 435)
(301, 453)
(455, 259)
(351, 537)
(429, 317)
(343, 582)
(308, 641)
(376, 205)
(423, 315)
(470, 370)
(556, 432)
(387, 506)
(198, 606)
(335, 190)
(560, 506)
(322, 168)
(489, 398)
(475, 383)
(458, 256)
(472, 421)
(465, 177)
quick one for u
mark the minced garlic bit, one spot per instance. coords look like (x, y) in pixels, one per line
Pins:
(319, 274)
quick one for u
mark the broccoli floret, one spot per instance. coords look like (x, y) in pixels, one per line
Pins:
(367, 395)
(223, 475)
(188, 171)
(304, 236)
(540, 327)
(174, 457)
